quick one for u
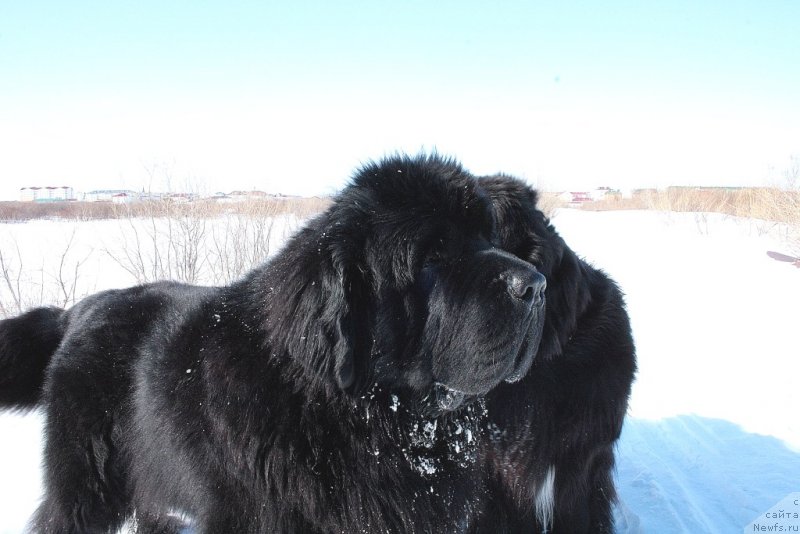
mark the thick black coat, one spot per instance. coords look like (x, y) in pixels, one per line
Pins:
(336, 389)
(550, 446)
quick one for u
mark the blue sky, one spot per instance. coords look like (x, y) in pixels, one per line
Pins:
(292, 96)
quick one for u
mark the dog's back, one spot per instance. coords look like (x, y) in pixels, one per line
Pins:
(80, 365)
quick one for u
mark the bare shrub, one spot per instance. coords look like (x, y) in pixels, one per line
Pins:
(12, 282)
(160, 241)
(301, 207)
(789, 204)
(773, 208)
(244, 240)
(186, 230)
(67, 275)
(201, 241)
(79, 211)
(766, 203)
(194, 242)
(548, 203)
(56, 281)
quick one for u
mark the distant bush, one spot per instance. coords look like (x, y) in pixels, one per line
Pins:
(548, 203)
(772, 204)
(202, 242)
(26, 211)
(84, 211)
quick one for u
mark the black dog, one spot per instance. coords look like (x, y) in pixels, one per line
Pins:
(336, 389)
(551, 436)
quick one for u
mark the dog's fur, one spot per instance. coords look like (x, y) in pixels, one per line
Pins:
(551, 436)
(338, 388)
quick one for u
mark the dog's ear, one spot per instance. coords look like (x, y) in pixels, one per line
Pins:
(342, 323)
(316, 312)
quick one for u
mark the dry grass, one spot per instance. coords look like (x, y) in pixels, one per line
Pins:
(84, 211)
(771, 204)
(203, 242)
(548, 203)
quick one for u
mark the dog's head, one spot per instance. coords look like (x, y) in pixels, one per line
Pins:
(524, 231)
(401, 284)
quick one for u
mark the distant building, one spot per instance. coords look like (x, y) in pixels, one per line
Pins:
(126, 196)
(578, 198)
(117, 196)
(602, 193)
(48, 193)
(575, 198)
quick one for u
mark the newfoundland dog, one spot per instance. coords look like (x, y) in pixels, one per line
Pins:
(341, 387)
(550, 437)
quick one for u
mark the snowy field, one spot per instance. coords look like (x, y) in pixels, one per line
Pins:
(712, 440)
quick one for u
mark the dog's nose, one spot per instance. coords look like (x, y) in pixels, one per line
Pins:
(527, 285)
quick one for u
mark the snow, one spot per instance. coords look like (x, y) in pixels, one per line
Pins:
(712, 440)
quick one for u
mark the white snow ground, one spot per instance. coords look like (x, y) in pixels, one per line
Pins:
(713, 435)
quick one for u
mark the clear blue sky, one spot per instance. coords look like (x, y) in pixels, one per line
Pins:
(292, 96)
